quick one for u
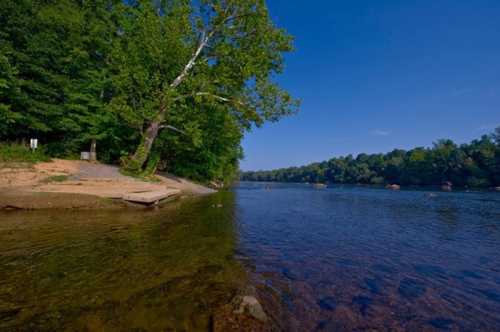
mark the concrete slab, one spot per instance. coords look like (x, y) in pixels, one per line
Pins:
(149, 197)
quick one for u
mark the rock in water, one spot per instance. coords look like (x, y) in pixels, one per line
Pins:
(447, 186)
(393, 186)
(251, 305)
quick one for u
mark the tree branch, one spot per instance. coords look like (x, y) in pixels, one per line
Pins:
(208, 94)
(211, 95)
(203, 42)
(205, 38)
(172, 128)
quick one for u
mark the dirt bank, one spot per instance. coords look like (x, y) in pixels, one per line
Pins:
(78, 184)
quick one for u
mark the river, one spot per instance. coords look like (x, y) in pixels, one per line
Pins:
(345, 258)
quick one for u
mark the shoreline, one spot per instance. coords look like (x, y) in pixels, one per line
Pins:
(384, 186)
(72, 184)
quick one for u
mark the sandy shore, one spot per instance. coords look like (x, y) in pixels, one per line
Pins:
(78, 184)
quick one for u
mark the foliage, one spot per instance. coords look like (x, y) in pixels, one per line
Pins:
(56, 50)
(476, 164)
(173, 58)
(123, 72)
(21, 153)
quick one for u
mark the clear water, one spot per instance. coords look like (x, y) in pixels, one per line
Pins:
(355, 258)
(338, 259)
(155, 270)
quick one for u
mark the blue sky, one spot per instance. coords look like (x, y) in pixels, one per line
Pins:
(379, 75)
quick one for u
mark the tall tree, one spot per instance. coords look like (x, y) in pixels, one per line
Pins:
(54, 72)
(217, 54)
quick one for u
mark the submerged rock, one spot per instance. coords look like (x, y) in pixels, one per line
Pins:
(327, 303)
(411, 289)
(289, 274)
(363, 303)
(441, 323)
(372, 284)
(251, 306)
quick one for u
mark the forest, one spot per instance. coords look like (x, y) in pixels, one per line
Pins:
(476, 164)
(170, 85)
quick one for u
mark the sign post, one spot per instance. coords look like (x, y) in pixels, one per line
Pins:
(33, 144)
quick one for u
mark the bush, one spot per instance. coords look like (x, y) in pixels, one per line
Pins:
(478, 182)
(12, 152)
(56, 178)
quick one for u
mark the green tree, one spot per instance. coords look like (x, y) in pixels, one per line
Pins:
(214, 53)
(476, 165)
(8, 92)
(56, 52)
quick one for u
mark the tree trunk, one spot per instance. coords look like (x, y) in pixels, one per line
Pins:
(93, 150)
(136, 163)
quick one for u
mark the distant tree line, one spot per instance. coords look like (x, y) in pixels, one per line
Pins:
(476, 164)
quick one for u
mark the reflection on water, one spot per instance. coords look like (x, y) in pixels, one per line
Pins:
(113, 271)
(353, 258)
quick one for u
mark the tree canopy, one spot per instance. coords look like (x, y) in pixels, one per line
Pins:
(166, 83)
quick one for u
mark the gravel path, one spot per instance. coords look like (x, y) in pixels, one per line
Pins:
(89, 170)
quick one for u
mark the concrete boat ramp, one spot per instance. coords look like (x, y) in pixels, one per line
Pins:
(132, 191)
(150, 197)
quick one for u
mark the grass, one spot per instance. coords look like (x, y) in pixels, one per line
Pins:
(56, 178)
(18, 153)
(146, 178)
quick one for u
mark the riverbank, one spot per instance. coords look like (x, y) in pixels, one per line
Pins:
(82, 185)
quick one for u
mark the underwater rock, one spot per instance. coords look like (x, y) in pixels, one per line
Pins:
(289, 274)
(441, 323)
(372, 285)
(363, 303)
(250, 305)
(327, 303)
(471, 274)
(411, 289)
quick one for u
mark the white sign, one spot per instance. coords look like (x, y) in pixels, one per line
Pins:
(33, 143)
(85, 155)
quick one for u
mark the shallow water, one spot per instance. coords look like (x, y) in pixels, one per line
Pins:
(354, 258)
(154, 270)
(339, 259)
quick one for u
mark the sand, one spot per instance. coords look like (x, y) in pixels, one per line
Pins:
(73, 177)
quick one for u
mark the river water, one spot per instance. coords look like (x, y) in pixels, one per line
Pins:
(353, 258)
(345, 258)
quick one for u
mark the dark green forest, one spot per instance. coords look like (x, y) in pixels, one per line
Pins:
(476, 164)
(171, 85)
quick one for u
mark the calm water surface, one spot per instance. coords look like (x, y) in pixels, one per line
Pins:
(130, 270)
(339, 259)
(354, 258)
